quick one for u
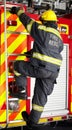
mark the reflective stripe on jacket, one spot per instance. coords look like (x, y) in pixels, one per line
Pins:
(47, 58)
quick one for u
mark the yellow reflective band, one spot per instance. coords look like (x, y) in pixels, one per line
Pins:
(20, 12)
(2, 77)
(37, 108)
(29, 26)
(16, 73)
(48, 29)
(47, 58)
(57, 118)
(3, 116)
(2, 98)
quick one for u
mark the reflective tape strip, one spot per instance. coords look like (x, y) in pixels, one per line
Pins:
(48, 29)
(12, 124)
(16, 73)
(2, 78)
(57, 118)
(43, 120)
(37, 108)
(47, 58)
(20, 12)
(29, 26)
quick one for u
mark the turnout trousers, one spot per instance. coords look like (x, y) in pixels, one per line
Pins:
(44, 85)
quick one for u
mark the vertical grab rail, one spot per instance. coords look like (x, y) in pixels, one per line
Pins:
(6, 64)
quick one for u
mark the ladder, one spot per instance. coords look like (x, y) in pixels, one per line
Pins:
(10, 102)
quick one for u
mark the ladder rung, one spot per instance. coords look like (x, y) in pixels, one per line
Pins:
(24, 33)
(15, 54)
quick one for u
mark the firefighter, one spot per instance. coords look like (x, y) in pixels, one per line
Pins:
(44, 63)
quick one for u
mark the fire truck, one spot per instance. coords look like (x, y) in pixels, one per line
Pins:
(14, 41)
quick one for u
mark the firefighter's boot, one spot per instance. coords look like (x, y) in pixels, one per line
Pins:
(17, 91)
(29, 123)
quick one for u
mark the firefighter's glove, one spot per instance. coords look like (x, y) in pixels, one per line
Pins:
(17, 10)
(14, 10)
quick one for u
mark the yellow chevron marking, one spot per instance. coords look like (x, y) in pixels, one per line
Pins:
(16, 43)
(2, 17)
(2, 98)
(21, 109)
(24, 108)
(3, 38)
(3, 77)
(22, 57)
(11, 28)
(2, 58)
(18, 117)
(3, 116)
(11, 48)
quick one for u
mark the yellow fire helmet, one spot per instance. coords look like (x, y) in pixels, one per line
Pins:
(49, 15)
